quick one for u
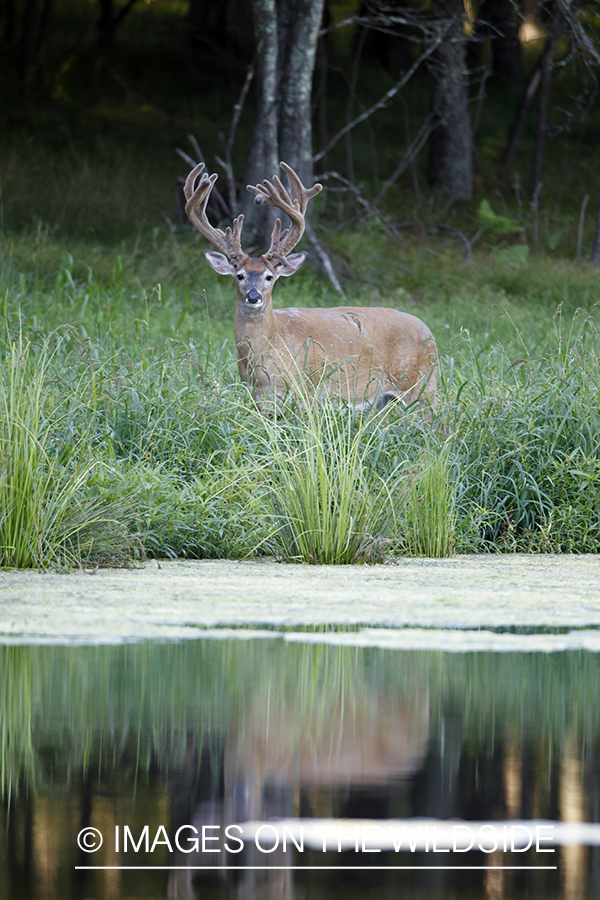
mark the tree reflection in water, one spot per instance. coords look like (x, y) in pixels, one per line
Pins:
(217, 732)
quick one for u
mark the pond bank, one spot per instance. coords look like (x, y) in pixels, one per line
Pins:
(171, 600)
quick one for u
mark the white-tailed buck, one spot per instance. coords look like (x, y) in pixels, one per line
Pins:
(363, 355)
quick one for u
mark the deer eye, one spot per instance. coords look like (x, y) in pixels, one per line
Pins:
(269, 278)
(240, 276)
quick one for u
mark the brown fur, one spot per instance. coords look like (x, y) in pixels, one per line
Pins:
(358, 354)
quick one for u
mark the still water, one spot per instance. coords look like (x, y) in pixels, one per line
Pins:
(174, 751)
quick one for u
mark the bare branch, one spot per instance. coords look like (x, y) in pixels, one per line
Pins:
(172, 228)
(367, 208)
(584, 204)
(455, 231)
(417, 143)
(389, 95)
(187, 159)
(123, 13)
(441, 226)
(196, 148)
(324, 259)
(237, 112)
(350, 21)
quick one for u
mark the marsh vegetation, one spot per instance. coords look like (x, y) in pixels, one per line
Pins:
(124, 431)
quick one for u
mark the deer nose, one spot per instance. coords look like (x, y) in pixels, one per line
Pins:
(253, 296)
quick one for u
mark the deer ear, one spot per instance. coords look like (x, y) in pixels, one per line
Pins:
(219, 262)
(290, 264)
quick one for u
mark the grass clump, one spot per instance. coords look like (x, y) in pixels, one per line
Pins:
(528, 443)
(48, 513)
(429, 505)
(328, 501)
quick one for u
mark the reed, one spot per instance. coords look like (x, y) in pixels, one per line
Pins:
(429, 505)
(48, 512)
(327, 498)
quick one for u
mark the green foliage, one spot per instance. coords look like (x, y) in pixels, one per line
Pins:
(48, 514)
(528, 441)
(430, 505)
(218, 514)
(116, 444)
(326, 495)
(514, 256)
(495, 223)
(130, 420)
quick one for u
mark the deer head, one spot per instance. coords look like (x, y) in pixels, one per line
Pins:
(255, 276)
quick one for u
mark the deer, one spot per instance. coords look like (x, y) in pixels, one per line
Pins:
(365, 356)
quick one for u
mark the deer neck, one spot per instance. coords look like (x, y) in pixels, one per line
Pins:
(257, 326)
(255, 332)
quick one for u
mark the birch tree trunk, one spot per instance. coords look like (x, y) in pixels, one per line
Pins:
(295, 126)
(286, 38)
(264, 153)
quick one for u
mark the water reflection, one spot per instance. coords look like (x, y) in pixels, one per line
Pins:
(211, 733)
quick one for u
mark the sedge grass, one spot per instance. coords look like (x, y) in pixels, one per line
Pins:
(429, 506)
(47, 513)
(143, 434)
(326, 496)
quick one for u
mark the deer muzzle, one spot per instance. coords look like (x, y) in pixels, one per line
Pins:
(253, 296)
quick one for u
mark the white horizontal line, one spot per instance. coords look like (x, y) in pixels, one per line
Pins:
(303, 868)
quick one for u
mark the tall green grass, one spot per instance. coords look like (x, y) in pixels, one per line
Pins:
(329, 502)
(124, 435)
(429, 505)
(48, 514)
(527, 440)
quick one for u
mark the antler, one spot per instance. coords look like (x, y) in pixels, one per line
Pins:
(196, 195)
(293, 204)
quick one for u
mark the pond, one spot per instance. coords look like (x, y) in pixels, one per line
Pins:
(372, 758)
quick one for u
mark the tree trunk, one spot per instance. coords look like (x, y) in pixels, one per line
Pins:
(46, 23)
(542, 123)
(111, 18)
(451, 141)
(106, 19)
(226, 24)
(264, 153)
(508, 157)
(500, 22)
(295, 126)
(286, 38)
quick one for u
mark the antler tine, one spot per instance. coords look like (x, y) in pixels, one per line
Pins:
(188, 188)
(298, 191)
(196, 195)
(293, 203)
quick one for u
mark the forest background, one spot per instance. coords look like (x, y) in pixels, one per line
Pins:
(458, 146)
